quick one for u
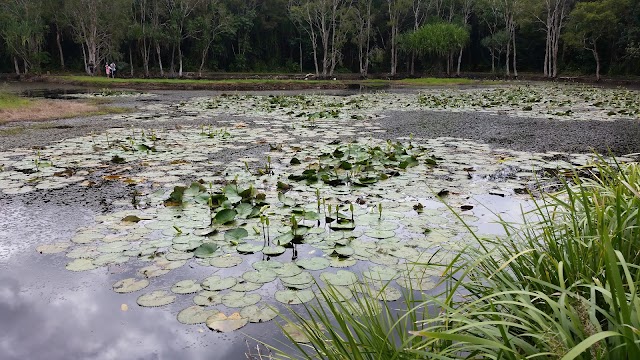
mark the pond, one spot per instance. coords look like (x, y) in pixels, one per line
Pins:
(148, 234)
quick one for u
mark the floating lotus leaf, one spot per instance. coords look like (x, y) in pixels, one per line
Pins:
(195, 315)
(208, 298)
(344, 251)
(260, 277)
(245, 286)
(264, 264)
(258, 314)
(381, 273)
(341, 293)
(294, 297)
(130, 285)
(216, 283)
(222, 323)
(205, 250)
(342, 277)
(186, 287)
(388, 293)
(53, 248)
(249, 248)
(224, 216)
(178, 255)
(284, 239)
(416, 284)
(156, 298)
(315, 263)
(288, 269)
(383, 259)
(83, 252)
(297, 334)
(81, 265)
(240, 299)
(379, 234)
(236, 234)
(274, 250)
(226, 261)
(152, 271)
(114, 258)
(300, 279)
(342, 263)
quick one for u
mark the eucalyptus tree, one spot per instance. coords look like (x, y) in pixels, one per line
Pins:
(489, 13)
(98, 27)
(553, 15)
(213, 20)
(326, 22)
(141, 30)
(397, 11)
(362, 19)
(22, 28)
(419, 11)
(591, 24)
(178, 13)
(466, 9)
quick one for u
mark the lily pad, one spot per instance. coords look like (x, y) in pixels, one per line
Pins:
(258, 314)
(226, 261)
(297, 333)
(267, 264)
(315, 263)
(240, 299)
(245, 286)
(208, 298)
(381, 273)
(236, 234)
(53, 248)
(274, 250)
(195, 315)
(288, 269)
(81, 265)
(156, 298)
(249, 248)
(217, 283)
(294, 297)
(260, 277)
(130, 285)
(186, 287)
(337, 262)
(223, 323)
(205, 250)
(380, 234)
(342, 277)
(224, 216)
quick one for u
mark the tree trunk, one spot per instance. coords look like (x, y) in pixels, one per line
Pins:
(180, 60)
(203, 58)
(159, 59)
(59, 42)
(459, 61)
(594, 50)
(515, 57)
(130, 60)
(173, 61)
(16, 66)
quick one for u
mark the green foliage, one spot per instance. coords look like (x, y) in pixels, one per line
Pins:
(12, 101)
(436, 39)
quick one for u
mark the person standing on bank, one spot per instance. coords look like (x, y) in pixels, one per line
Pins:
(107, 70)
(113, 70)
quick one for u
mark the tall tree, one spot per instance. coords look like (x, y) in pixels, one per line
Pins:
(98, 27)
(553, 15)
(397, 11)
(179, 12)
(466, 9)
(363, 19)
(213, 19)
(22, 28)
(590, 25)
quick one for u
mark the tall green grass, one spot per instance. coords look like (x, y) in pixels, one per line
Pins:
(562, 286)
(12, 101)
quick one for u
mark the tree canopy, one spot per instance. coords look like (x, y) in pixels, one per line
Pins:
(176, 37)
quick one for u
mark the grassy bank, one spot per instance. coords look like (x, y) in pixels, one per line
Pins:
(562, 286)
(253, 84)
(15, 108)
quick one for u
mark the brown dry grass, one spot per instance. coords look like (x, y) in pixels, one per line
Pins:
(39, 110)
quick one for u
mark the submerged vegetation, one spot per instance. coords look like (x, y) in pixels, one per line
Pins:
(562, 285)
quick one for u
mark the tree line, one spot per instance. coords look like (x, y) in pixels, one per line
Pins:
(323, 37)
